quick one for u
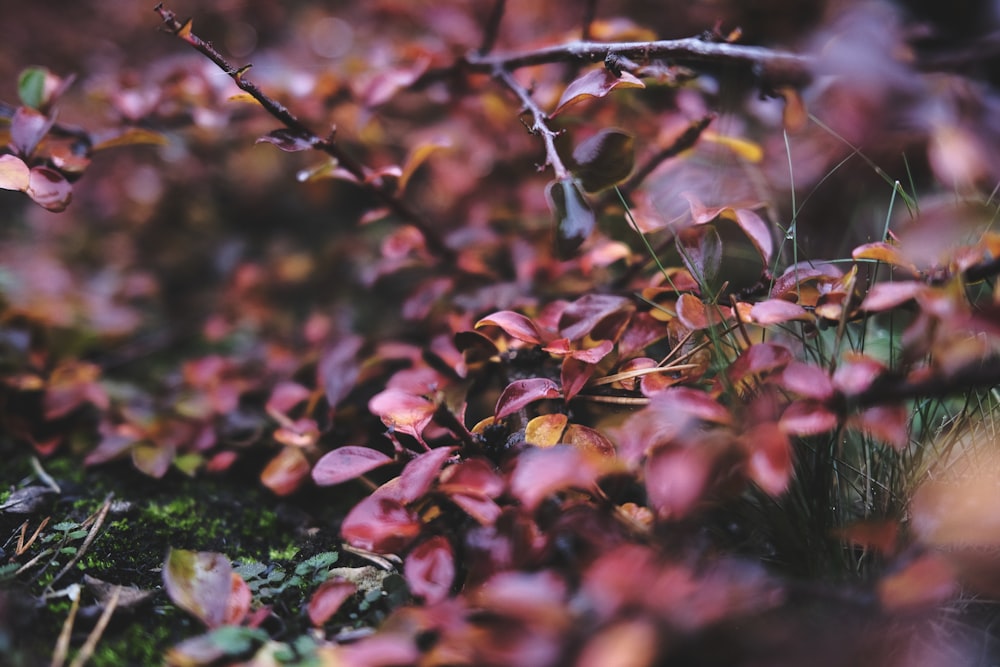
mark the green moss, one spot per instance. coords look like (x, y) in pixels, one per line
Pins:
(287, 553)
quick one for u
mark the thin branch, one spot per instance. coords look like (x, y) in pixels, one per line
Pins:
(356, 168)
(492, 28)
(775, 67)
(891, 387)
(539, 122)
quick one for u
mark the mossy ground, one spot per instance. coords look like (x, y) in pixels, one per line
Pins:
(231, 514)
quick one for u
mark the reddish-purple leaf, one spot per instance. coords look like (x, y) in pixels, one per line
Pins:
(473, 476)
(199, 582)
(430, 569)
(288, 140)
(885, 423)
(520, 393)
(788, 283)
(514, 325)
(49, 189)
(14, 173)
(602, 316)
(752, 224)
(856, 373)
(776, 311)
(676, 478)
(380, 524)
(808, 417)
(758, 360)
(807, 380)
(541, 472)
(482, 509)
(574, 376)
(885, 296)
(27, 128)
(770, 457)
(697, 315)
(285, 396)
(403, 411)
(670, 413)
(339, 367)
(595, 83)
(328, 598)
(419, 474)
(285, 473)
(347, 463)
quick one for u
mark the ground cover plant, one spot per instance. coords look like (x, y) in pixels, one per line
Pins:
(501, 333)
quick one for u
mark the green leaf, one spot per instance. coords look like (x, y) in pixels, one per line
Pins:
(31, 86)
(574, 219)
(604, 159)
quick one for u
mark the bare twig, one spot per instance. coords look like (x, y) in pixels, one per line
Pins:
(385, 194)
(492, 28)
(87, 650)
(775, 67)
(539, 123)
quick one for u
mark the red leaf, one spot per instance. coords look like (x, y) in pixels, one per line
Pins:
(419, 474)
(200, 583)
(574, 376)
(347, 463)
(671, 413)
(473, 477)
(541, 472)
(338, 368)
(482, 509)
(788, 283)
(238, 603)
(380, 524)
(759, 360)
(286, 471)
(884, 296)
(403, 411)
(14, 173)
(807, 380)
(676, 478)
(288, 140)
(430, 569)
(776, 311)
(752, 224)
(595, 83)
(49, 189)
(856, 373)
(770, 462)
(515, 325)
(520, 393)
(601, 316)
(808, 417)
(885, 423)
(328, 598)
(696, 315)
(285, 396)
